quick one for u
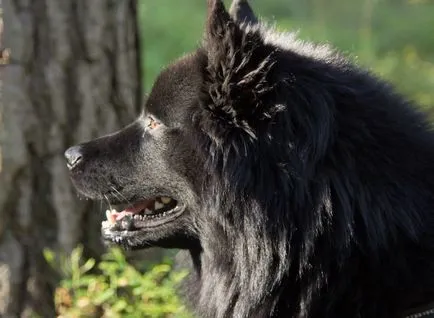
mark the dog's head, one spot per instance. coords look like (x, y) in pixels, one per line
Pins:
(204, 110)
(149, 172)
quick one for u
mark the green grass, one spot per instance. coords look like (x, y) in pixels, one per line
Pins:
(393, 38)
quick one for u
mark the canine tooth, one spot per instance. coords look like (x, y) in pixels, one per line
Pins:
(166, 200)
(110, 217)
(158, 205)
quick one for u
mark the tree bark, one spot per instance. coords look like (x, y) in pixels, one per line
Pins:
(73, 75)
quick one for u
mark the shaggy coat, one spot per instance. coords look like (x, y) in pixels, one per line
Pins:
(301, 185)
(321, 196)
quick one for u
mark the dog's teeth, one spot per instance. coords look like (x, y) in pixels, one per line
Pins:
(158, 205)
(138, 217)
(110, 217)
(166, 200)
(147, 211)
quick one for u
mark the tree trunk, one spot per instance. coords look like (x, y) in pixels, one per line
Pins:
(73, 74)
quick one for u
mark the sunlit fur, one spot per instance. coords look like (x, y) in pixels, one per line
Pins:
(320, 198)
(308, 184)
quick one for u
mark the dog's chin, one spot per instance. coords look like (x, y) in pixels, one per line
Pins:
(143, 223)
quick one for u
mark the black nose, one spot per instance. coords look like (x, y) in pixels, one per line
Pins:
(73, 156)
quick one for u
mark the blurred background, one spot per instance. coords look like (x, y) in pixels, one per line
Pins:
(73, 70)
(393, 38)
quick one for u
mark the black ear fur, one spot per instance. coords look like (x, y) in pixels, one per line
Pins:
(238, 70)
(217, 17)
(241, 12)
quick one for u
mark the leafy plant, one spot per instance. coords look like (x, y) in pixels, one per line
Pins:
(114, 288)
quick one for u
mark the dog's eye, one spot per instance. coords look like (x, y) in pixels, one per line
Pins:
(152, 123)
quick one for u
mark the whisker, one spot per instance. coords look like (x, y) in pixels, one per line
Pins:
(116, 193)
(117, 197)
(108, 202)
(122, 196)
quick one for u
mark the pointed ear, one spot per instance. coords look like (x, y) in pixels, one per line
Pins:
(218, 21)
(221, 32)
(241, 12)
(238, 71)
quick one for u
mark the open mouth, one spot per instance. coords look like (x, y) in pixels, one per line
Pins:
(143, 214)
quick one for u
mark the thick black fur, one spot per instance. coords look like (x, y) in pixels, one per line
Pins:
(308, 183)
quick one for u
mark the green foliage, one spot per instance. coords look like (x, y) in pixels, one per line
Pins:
(392, 38)
(114, 288)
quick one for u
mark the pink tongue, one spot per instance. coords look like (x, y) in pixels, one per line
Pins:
(136, 208)
(120, 215)
(139, 206)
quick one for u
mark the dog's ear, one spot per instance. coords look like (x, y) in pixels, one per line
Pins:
(238, 71)
(241, 12)
(219, 26)
(217, 14)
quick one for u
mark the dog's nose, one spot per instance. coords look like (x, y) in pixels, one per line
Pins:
(73, 156)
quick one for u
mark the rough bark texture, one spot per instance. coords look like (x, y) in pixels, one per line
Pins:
(73, 75)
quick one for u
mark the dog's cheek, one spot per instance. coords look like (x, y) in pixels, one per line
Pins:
(183, 159)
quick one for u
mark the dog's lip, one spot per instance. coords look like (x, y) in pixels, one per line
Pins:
(144, 213)
(113, 233)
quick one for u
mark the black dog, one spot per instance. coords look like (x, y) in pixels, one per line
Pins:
(300, 185)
